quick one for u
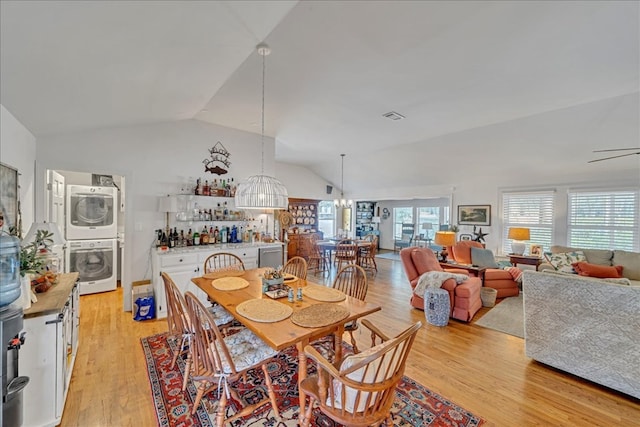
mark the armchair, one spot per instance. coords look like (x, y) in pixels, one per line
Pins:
(464, 298)
(495, 278)
(406, 238)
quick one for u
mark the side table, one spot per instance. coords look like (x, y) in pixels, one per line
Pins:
(476, 271)
(527, 260)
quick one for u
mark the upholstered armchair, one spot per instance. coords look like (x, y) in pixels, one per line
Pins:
(494, 277)
(464, 298)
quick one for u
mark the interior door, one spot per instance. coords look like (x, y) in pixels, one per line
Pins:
(55, 209)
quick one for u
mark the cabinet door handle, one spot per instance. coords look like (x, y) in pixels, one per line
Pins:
(58, 320)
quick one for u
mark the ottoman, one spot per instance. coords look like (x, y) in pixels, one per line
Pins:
(437, 306)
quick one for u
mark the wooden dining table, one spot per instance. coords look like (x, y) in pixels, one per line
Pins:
(284, 334)
(329, 246)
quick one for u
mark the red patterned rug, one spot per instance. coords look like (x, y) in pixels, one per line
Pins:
(414, 406)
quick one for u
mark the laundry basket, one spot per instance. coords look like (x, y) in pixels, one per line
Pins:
(437, 306)
(488, 297)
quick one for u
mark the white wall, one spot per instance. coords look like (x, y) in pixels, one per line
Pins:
(302, 183)
(155, 159)
(18, 150)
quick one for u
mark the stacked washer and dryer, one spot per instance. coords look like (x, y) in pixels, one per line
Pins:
(92, 231)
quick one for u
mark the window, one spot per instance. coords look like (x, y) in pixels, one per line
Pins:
(401, 216)
(532, 210)
(327, 218)
(434, 215)
(603, 219)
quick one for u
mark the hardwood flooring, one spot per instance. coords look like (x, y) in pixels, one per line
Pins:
(484, 371)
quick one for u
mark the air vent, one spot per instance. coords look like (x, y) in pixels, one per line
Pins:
(393, 115)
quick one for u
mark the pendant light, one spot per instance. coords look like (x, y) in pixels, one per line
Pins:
(262, 191)
(342, 202)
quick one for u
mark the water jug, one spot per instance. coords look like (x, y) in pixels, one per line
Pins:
(9, 269)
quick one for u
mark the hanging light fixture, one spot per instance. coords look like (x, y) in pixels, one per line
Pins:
(342, 203)
(262, 191)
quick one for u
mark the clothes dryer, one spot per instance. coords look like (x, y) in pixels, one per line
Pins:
(91, 212)
(96, 263)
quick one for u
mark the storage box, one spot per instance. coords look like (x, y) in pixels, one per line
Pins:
(142, 300)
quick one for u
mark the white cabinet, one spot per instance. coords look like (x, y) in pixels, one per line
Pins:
(52, 326)
(184, 265)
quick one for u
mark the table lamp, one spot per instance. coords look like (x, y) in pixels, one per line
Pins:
(444, 239)
(518, 234)
(168, 204)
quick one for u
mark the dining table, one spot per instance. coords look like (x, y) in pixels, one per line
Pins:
(282, 334)
(329, 246)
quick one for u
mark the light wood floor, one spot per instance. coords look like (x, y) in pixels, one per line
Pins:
(484, 371)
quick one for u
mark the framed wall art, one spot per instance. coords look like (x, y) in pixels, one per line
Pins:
(465, 237)
(9, 197)
(474, 214)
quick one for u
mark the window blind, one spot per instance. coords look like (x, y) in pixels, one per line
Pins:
(603, 219)
(533, 210)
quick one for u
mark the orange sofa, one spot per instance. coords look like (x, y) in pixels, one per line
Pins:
(464, 298)
(496, 278)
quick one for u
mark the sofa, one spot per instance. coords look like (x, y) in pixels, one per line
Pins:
(494, 277)
(464, 298)
(629, 261)
(585, 326)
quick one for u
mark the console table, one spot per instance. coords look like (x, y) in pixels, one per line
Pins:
(527, 260)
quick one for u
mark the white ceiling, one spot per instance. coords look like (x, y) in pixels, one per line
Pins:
(336, 67)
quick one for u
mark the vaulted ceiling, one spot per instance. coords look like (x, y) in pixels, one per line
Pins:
(336, 67)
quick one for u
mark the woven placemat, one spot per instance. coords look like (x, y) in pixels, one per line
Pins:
(290, 278)
(229, 283)
(322, 293)
(223, 273)
(318, 315)
(263, 310)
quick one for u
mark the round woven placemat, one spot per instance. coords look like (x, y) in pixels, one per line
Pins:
(290, 278)
(223, 273)
(322, 293)
(263, 310)
(318, 315)
(229, 283)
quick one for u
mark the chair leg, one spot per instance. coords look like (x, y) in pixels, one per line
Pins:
(201, 387)
(221, 409)
(187, 371)
(272, 394)
(353, 343)
(179, 352)
(307, 414)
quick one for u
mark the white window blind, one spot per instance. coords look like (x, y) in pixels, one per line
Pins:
(533, 210)
(603, 219)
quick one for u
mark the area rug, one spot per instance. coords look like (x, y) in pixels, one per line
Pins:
(414, 406)
(507, 316)
(389, 255)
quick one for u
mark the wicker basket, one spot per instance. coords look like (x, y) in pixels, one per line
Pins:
(488, 297)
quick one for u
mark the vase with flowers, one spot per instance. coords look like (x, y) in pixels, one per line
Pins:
(37, 260)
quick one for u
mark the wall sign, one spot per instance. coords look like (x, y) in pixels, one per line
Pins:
(218, 161)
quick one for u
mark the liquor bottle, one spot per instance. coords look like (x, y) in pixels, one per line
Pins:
(205, 189)
(189, 238)
(225, 213)
(234, 234)
(214, 190)
(197, 189)
(233, 188)
(240, 235)
(196, 238)
(182, 240)
(204, 236)
(216, 235)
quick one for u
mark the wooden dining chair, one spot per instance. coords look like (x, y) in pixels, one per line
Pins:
(352, 281)
(318, 260)
(296, 266)
(359, 391)
(222, 261)
(346, 252)
(180, 323)
(367, 255)
(221, 362)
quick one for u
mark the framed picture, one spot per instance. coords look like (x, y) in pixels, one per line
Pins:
(535, 250)
(474, 214)
(465, 237)
(9, 197)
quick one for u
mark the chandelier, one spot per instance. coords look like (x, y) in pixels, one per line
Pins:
(342, 203)
(262, 191)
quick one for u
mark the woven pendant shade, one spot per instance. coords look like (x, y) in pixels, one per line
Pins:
(261, 192)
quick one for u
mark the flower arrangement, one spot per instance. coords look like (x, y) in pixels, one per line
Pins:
(34, 260)
(272, 279)
(273, 273)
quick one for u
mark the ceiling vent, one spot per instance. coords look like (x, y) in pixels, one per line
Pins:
(393, 115)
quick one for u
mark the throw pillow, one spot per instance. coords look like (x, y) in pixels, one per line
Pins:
(563, 261)
(599, 271)
(483, 258)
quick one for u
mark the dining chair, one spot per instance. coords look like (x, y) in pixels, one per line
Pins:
(222, 261)
(180, 323)
(367, 255)
(296, 266)
(222, 362)
(346, 252)
(361, 390)
(352, 281)
(318, 260)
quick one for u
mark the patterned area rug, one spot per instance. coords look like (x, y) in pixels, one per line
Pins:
(414, 406)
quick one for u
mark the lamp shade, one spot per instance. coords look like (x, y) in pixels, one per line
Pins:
(50, 227)
(445, 238)
(167, 204)
(261, 192)
(427, 226)
(516, 233)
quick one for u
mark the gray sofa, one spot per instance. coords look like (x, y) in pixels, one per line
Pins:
(630, 261)
(585, 326)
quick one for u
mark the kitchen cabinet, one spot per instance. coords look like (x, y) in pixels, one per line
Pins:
(184, 264)
(304, 214)
(364, 217)
(51, 344)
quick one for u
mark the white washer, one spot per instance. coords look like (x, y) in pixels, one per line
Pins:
(91, 212)
(96, 261)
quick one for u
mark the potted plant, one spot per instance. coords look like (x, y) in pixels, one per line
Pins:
(37, 260)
